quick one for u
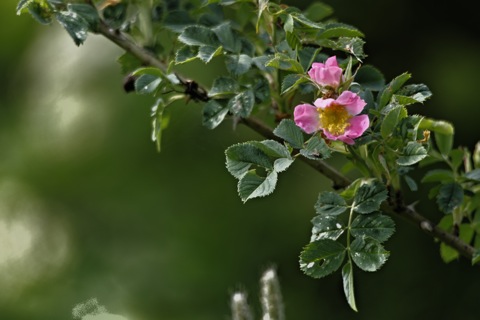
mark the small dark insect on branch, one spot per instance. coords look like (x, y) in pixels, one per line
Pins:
(195, 92)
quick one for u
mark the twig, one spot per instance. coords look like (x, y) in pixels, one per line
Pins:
(338, 179)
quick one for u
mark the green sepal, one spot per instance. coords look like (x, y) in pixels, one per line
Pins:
(369, 196)
(368, 253)
(377, 226)
(330, 204)
(449, 197)
(348, 288)
(412, 153)
(290, 132)
(322, 257)
(326, 227)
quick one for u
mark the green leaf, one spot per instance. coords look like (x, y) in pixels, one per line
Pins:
(272, 148)
(444, 142)
(252, 185)
(42, 12)
(128, 62)
(351, 190)
(206, 53)
(199, 36)
(282, 164)
(284, 62)
(159, 122)
(291, 82)
(473, 175)
(438, 175)
(223, 86)
(336, 30)
(186, 54)
(315, 149)
(213, 114)
(412, 185)
(87, 12)
(21, 5)
(449, 197)
(347, 276)
(391, 88)
(321, 258)
(417, 92)
(412, 153)
(369, 196)
(115, 15)
(76, 26)
(238, 64)
(306, 56)
(330, 203)
(178, 20)
(242, 104)
(240, 157)
(288, 131)
(377, 226)
(148, 70)
(370, 78)
(318, 11)
(447, 253)
(147, 83)
(391, 120)
(226, 37)
(437, 126)
(326, 227)
(476, 257)
(368, 254)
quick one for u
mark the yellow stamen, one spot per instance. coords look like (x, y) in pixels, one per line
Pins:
(334, 119)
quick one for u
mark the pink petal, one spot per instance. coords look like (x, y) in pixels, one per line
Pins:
(357, 127)
(306, 117)
(352, 102)
(323, 103)
(331, 62)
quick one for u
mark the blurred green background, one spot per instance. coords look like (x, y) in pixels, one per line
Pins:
(88, 208)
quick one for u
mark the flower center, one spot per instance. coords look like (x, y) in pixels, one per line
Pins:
(335, 119)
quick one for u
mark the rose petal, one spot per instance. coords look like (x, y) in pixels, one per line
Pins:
(358, 125)
(323, 103)
(306, 117)
(326, 74)
(331, 62)
(352, 102)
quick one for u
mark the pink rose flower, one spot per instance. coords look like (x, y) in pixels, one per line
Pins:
(337, 118)
(328, 74)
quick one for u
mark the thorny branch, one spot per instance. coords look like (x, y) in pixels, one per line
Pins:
(339, 180)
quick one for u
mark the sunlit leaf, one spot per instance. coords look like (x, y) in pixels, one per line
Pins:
(412, 153)
(449, 197)
(376, 226)
(369, 196)
(348, 288)
(242, 104)
(322, 257)
(326, 227)
(252, 185)
(368, 254)
(330, 203)
(288, 131)
(213, 114)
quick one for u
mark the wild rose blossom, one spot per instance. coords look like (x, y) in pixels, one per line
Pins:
(337, 118)
(327, 74)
